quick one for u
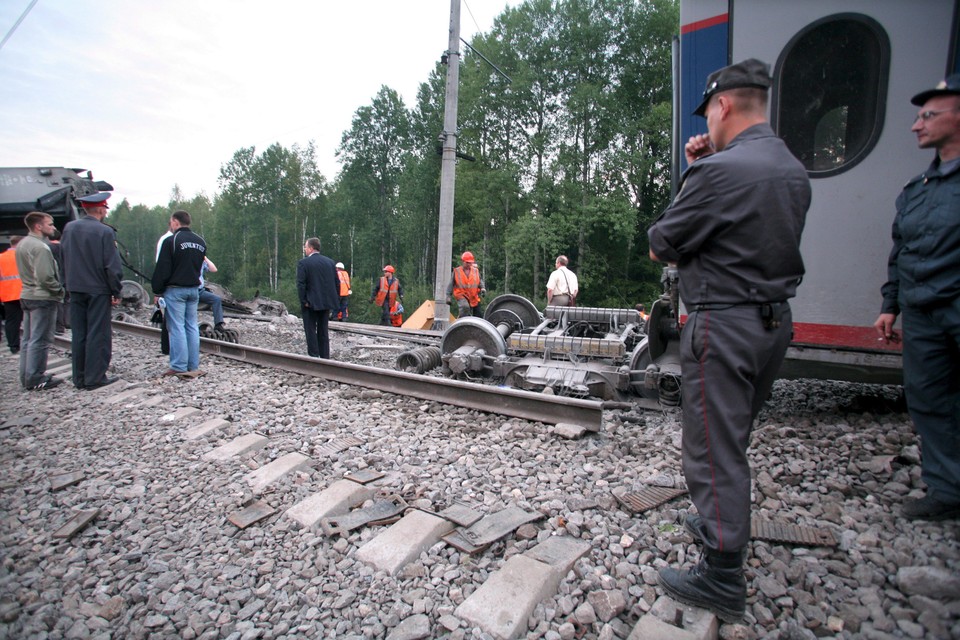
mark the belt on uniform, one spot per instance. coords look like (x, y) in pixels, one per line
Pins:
(771, 313)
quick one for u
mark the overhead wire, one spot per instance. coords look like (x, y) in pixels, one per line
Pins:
(21, 18)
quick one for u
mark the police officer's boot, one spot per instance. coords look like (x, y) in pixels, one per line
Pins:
(693, 524)
(716, 584)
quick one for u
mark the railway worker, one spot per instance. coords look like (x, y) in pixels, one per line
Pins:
(177, 279)
(92, 269)
(319, 291)
(387, 291)
(466, 286)
(923, 286)
(40, 299)
(10, 295)
(562, 287)
(343, 278)
(734, 233)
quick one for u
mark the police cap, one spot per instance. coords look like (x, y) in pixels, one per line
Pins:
(94, 200)
(749, 73)
(949, 86)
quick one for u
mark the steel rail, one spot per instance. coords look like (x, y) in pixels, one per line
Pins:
(498, 400)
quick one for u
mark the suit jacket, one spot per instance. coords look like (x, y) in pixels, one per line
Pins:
(317, 283)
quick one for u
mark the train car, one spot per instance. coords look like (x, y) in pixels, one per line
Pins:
(844, 73)
(53, 190)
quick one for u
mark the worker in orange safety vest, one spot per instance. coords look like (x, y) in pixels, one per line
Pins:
(345, 292)
(466, 286)
(10, 287)
(386, 292)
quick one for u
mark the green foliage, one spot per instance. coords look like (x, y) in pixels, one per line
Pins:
(571, 157)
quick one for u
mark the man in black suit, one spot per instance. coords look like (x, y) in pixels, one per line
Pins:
(318, 288)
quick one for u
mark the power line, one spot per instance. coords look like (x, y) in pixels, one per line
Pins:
(17, 23)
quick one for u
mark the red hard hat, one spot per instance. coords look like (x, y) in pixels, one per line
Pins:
(389, 269)
(467, 257)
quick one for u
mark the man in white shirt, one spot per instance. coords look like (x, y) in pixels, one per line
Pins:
(562, 287)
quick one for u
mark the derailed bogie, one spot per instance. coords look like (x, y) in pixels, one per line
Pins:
(570, 351)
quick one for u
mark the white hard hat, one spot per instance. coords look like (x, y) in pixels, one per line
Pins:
(340, 265)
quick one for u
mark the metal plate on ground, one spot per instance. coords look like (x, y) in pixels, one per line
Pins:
(496, 525)
(256, 512)
(377, 512)
(791, 533)
(19, 421)
(648, 498)
(79, 520)
(63, 480)
(364, 476)
(339, 444)
(455, 539)
(460, 514)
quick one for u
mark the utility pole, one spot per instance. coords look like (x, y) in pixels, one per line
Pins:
(448, 169)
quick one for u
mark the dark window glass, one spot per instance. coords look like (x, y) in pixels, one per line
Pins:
(831, 91)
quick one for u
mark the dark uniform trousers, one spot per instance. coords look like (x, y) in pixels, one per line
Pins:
(931, 353)
(91, 337)
(729, 362)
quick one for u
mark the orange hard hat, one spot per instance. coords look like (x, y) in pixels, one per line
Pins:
(389, 269)
(467, 257)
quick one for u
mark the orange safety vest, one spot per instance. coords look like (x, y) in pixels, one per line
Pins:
(396, 314)
(344, 282)
(385, 287)
(466, 284)
(10, 285)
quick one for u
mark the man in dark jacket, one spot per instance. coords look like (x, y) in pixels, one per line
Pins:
(923, 285)
(92, 268)
(177, 279)
(734, 232)
(319, 291)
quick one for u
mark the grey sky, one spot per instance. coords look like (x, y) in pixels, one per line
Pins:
(152, 94)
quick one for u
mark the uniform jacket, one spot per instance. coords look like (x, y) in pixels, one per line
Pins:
(924, 265)
(38, 270)
(91, 262)
(317, 283)
(388, 291)
(180, 261)
(466, 283)
(734, 227)
(9, 276)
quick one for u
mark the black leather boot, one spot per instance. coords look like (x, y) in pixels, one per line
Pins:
(716, 584)
(693, 523)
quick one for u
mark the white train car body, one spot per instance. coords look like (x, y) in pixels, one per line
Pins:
(844, 73)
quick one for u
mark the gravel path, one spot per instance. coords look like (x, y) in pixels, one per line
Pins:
(162, 560)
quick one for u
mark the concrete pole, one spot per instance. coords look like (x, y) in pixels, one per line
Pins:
(448, 169)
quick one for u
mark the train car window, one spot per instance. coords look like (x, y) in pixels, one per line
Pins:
(831, 92)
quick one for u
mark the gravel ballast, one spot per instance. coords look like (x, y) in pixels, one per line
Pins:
(162, 559)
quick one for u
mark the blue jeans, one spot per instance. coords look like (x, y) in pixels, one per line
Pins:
(216, 305)
(39, 324)
(181, 320)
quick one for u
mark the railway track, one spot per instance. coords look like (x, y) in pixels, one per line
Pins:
(504, 401)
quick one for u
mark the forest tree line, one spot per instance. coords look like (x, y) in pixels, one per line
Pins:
(572, 157)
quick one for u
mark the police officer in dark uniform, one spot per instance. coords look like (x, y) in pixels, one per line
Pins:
(923, 285)
(734, 233)
(91, 264)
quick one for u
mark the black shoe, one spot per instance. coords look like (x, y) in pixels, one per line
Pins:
(102, 383)
(693, 524)
(47, 383)
(219, 326)
(14, 350)
(716, 584)
(930, 508)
